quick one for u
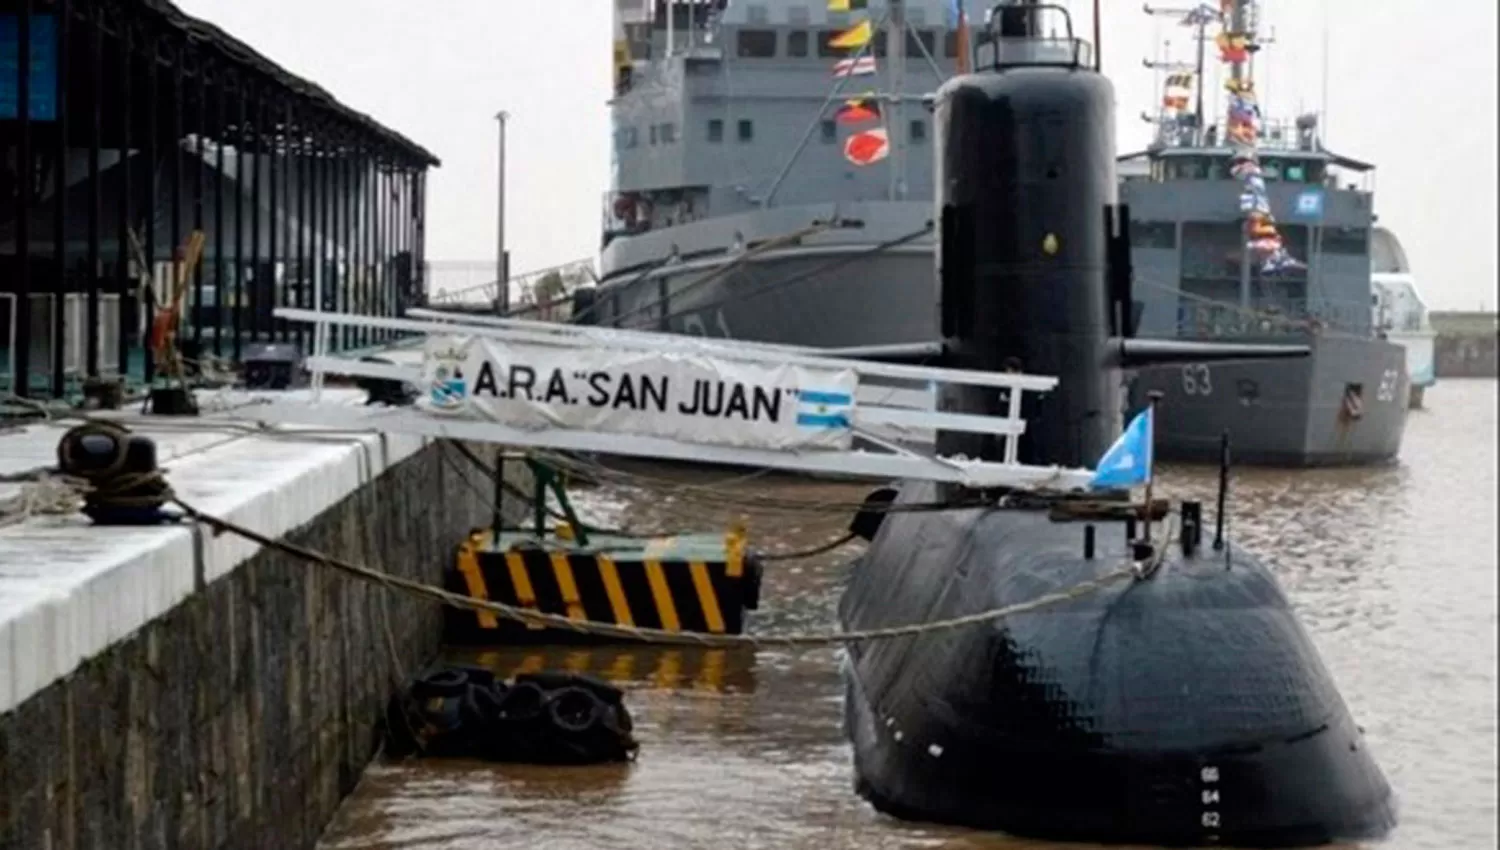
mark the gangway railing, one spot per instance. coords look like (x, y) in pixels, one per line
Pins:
(645, 394)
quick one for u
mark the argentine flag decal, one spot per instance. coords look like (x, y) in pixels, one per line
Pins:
(824, 410)
(1128, 461)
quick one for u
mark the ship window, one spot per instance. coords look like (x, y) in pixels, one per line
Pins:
(747, 130)
(1189, 168)
(715, 130)
(796, 43)
(668, 134)
(921, 41)
(653, 134)
(756, 44)
(1212, 250)
(1153, 234)
(1345, 240)
(830, 132)
(918, 131)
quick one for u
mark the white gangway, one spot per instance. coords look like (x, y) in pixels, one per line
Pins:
(529, 384)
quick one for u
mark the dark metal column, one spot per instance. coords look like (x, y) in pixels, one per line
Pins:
(321, 296)
(124, 281)
(21, 369)
(198, 120)
(421, 231)
(241, 143)
(271, 141)
(341, 291)
(357, 232)
(59, 331)
(378, 222)
(221, 137)
(96, 120)
(388, 238)
(408, 263)
(367, 224)
(354, 300)
(148, 238)
(255, 152)
(288, 249)
(174, 177)
(304, 249)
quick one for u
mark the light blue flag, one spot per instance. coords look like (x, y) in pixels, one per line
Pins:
(955, 10)
(1128, 461)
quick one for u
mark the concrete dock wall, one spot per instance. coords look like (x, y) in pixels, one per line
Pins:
(242, 715)
(1467, 356)
(1467, 345)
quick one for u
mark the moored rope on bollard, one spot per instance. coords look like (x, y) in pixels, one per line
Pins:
(661, 636)
(143, 488)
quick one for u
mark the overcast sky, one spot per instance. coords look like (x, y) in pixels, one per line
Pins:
(1415, 93)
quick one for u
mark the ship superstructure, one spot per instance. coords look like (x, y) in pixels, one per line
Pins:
(772, 168)
(1252, 229)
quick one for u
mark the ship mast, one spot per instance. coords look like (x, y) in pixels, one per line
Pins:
(1200, 32)
(1237, 74)
(896, 52)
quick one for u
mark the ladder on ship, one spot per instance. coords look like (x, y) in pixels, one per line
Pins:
(539, 385)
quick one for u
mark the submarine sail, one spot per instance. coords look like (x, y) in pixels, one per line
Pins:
(1186, 708)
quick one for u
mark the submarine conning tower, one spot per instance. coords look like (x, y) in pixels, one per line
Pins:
(1034, 251)
(1024, 174)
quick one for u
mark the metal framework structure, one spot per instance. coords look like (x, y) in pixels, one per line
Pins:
(888, 461)
(154, 125)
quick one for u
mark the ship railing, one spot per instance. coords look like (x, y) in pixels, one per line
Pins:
(1007, 52)
(538, 292)
(647, 394)
(1269, 318)
(1013, 36)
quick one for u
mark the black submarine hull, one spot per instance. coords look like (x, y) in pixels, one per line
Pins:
(1187, 709)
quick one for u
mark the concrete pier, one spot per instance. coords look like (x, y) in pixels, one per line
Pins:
(168, 687)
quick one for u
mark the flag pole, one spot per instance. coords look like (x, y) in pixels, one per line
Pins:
(1151, 399)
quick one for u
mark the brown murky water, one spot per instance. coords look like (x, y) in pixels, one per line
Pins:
(1393, 570)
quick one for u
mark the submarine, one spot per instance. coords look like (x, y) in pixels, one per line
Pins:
(1186, 707)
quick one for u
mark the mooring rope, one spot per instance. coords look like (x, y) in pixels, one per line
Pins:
(662, 636)
(110, 485)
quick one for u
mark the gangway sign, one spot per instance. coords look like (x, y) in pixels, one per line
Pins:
(644, 394)
(676, 395)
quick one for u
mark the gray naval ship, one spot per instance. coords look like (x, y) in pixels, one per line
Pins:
(1197, 278)
(738, 209)
(741, 205)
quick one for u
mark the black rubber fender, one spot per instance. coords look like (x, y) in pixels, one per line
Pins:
(551, 680)
(523, 701)
(479, 677)
(445, 713)
(443, 682)
(750, 583)
(481, 708)
(400, 728)
(575, 710)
